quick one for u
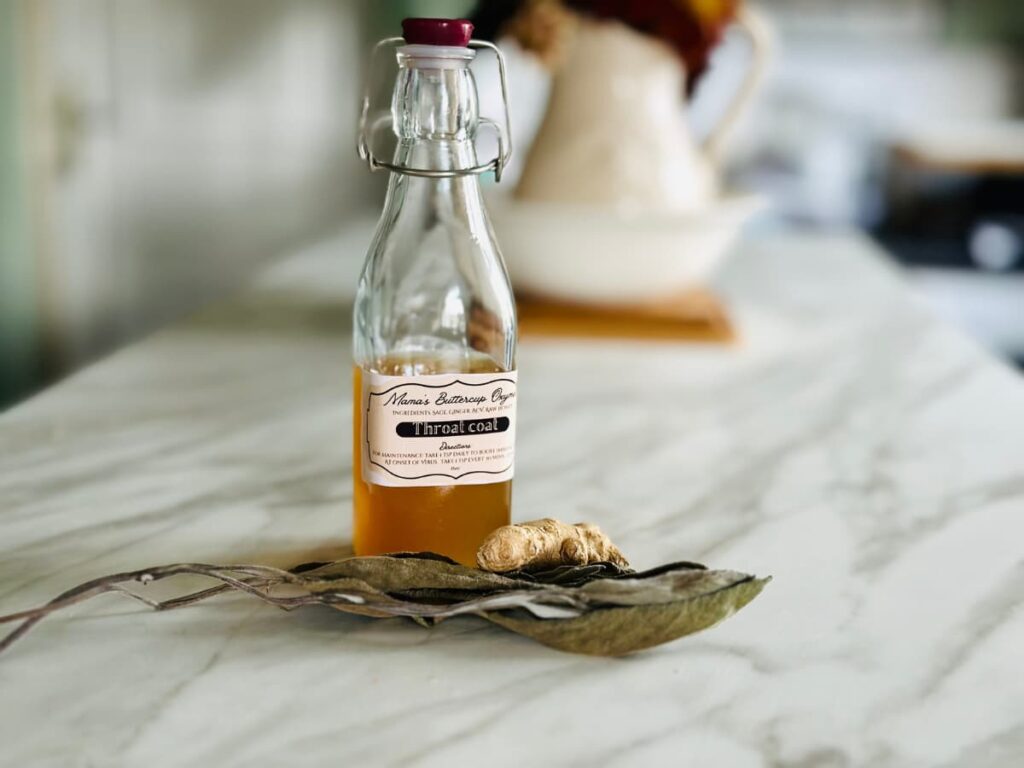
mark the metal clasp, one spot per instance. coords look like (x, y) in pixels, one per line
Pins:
(504, 134)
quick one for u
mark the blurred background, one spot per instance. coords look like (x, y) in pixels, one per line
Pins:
(155, 154)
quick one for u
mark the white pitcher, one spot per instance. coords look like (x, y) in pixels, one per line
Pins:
(616, 135)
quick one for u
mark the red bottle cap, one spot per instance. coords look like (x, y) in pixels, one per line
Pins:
(454, 32)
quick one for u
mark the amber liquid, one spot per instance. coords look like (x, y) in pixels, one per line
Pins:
(451, 520)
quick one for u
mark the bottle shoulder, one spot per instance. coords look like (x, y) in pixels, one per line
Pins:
(434, 283)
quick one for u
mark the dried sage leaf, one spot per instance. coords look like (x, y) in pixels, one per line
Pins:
(410, 572)
(618, 631)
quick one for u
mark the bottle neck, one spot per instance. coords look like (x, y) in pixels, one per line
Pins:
(435, 112)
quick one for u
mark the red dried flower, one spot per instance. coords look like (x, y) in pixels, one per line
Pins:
(692, 27)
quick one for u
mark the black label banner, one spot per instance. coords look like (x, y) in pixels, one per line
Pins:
(452, 428)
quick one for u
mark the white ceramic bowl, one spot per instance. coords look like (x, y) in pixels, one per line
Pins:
(581, 254)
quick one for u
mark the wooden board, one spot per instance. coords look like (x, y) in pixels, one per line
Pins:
(697, 316)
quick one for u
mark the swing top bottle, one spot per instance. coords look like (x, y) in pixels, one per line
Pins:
(434, 375)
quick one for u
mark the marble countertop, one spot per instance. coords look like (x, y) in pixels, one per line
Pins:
(866, 455)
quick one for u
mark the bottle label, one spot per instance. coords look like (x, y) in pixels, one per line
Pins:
(448, 429)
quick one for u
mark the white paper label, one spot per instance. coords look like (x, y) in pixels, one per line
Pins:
(448, 429)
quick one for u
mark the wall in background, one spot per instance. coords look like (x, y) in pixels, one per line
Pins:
(181, 144)
(19, 363)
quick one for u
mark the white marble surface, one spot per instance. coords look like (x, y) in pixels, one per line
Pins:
(866, 455)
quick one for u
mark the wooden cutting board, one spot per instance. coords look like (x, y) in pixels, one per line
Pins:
(697, 316)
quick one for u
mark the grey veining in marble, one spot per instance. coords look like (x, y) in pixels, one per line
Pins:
(867, 456)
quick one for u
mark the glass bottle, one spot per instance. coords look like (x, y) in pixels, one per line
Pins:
(434, 321)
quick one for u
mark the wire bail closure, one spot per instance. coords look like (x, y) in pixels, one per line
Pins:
(503, 133)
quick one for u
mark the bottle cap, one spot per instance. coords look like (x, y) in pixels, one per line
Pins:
(448, 32)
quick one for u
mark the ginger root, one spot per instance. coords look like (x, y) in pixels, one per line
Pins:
(546, 543)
